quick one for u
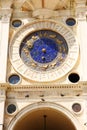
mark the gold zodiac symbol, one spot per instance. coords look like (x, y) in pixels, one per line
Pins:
(34, 64)
(59, 41)
(34, 37)
(44, 67)
(26, 51)
(52, 36)
(29, 44)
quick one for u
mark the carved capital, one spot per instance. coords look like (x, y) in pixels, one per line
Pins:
(17, 4)
(6, 4)
(5, 15)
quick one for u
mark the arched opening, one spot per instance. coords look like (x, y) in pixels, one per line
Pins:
(44, 119)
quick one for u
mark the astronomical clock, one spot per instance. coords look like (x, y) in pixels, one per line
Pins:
(43, 69)
(44, 51)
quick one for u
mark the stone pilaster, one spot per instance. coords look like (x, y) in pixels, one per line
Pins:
(2, 106)
(4, 37)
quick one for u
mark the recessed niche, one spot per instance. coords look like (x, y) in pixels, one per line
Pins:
(70, 21)
(14, 79)
(76, 107)
(11, 108)
(73, 77)
(16, 23)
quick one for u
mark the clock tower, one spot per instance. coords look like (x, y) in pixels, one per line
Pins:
(43, 68)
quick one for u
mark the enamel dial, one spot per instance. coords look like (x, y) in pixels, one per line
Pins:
(44, 51)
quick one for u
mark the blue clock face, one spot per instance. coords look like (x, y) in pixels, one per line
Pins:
(43, 48)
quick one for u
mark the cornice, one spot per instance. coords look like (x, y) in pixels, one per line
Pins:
(43, 86)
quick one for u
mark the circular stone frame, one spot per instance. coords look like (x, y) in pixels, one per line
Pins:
(13, 111)
(70, 22)
(14, 74)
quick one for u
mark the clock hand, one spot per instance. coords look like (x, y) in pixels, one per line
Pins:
(43, 50)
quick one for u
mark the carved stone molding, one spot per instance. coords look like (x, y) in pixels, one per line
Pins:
(2, 94)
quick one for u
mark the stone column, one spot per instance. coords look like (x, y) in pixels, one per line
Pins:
(2, 106)
(82, 37)
(5, 15)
